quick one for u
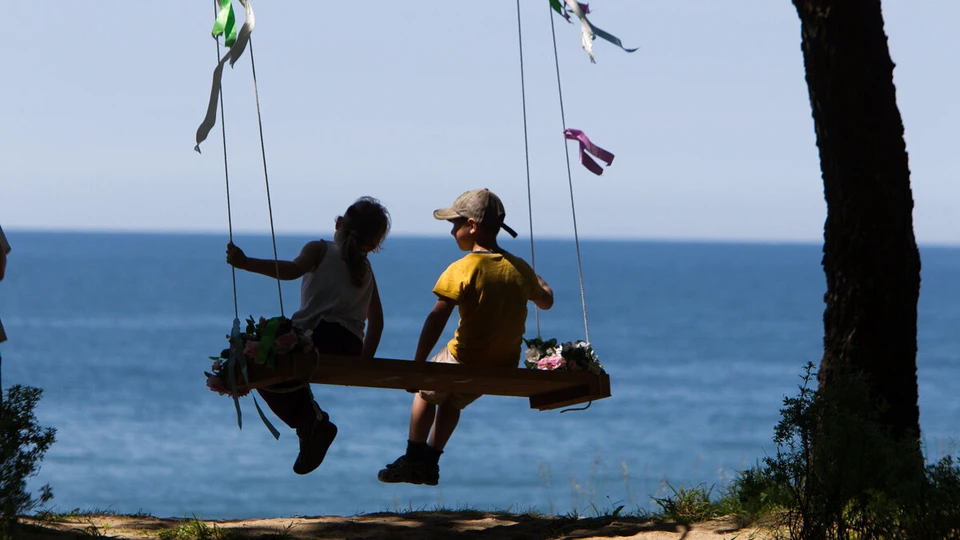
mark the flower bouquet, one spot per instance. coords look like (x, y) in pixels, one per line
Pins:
(570, 356)
(262, 341)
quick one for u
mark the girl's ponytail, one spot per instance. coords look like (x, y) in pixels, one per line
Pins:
(356, 259)
(363, 228)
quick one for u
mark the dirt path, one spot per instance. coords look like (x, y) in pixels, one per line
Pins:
(416, 525)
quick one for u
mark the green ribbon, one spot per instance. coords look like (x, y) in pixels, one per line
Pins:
(236, 346)
(265, 351)
(226, 23)
(236, 49)
(557, 6)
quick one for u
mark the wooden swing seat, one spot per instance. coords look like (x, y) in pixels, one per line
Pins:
(546, 389)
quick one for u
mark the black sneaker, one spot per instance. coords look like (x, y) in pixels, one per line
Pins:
(314, 442)
(410, 472)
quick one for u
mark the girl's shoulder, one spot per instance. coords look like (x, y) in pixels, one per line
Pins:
(312, 254)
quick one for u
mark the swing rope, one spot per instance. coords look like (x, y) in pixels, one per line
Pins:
(266, 178)
(226, 175)
(526, 148)
(526, 152)
(573, 209)
(235, 330)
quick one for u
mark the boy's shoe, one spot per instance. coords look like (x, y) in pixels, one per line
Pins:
(411, 472)
(315, 439)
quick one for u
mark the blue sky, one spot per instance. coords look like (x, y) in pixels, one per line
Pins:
(709, 120)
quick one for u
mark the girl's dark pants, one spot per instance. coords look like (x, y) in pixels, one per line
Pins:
(296, 408)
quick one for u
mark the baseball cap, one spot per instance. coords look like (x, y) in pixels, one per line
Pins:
(480, 204)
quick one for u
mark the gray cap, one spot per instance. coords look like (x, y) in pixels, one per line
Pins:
(480, 204)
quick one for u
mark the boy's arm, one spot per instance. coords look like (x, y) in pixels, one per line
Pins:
(371, 340)
(546, 300)
(433, 327)
(285, 270)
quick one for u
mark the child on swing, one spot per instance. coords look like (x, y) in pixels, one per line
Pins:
(338, 294)
(490, 287)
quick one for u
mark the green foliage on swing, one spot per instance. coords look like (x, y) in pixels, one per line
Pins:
(262, 342)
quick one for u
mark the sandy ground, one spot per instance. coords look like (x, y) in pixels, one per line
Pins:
(414, 525)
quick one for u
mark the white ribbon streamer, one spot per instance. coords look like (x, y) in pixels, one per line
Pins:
(243, 37)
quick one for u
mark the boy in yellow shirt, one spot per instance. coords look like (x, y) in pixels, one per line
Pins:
(490, 287)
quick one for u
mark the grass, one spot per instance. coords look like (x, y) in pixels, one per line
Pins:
(54, 516)
(195, 529)
(614, 520)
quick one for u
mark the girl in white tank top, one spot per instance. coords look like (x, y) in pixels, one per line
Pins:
(339, 303)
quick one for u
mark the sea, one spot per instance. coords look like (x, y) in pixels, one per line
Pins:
(702, 341)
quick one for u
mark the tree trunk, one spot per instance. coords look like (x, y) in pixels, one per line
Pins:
(870, 255)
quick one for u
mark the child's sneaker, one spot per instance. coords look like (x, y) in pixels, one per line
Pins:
(315, 439)
(411, 472)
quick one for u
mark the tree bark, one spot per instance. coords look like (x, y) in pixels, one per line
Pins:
(870, 255)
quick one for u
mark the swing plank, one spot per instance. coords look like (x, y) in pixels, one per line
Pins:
(546, 389)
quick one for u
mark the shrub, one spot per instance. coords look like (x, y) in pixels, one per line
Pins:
(839, 474)
(23, 443)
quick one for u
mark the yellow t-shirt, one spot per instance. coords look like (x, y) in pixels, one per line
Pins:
(491, 290)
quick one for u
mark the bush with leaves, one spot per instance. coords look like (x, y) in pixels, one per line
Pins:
(23, 443)
(839, 474)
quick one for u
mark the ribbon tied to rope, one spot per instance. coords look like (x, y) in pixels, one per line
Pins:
(236, 356)
(225, 25)
(587, 146)
(587, 29)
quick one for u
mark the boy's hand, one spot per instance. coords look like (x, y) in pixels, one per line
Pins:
(235, 256)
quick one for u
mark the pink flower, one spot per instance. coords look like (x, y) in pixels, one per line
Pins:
(217, 365)
(285, 343)
(554, 361)
(216, 384)
(250, 349)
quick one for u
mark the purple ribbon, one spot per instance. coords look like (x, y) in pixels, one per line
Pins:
(583, 7)
(587, 146)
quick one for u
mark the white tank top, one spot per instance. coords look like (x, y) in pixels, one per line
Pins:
(328, 294)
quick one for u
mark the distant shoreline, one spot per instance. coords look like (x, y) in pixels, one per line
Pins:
(418, 236)
(760, 242)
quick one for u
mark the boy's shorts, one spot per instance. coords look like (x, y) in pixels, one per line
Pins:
(456, 399)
